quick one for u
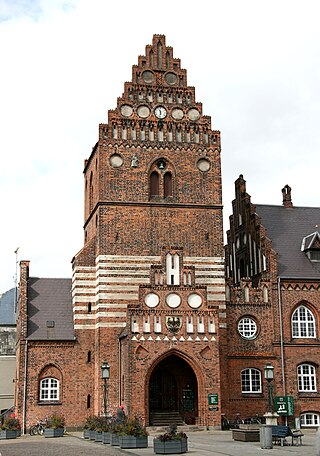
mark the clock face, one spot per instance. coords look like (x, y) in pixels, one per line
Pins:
(160, 112)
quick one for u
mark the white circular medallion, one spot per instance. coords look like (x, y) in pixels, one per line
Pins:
(194, 300)
(170, 78)
(126, 110)
(116, 160)
(203, 165)
(143, 111)
(173, 300)
(177, 114)
(151, 300)
(148, 76)
(193, 114)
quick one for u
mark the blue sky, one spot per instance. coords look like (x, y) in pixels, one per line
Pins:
(255, 66)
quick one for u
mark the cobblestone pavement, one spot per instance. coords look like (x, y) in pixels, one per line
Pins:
(202, 443)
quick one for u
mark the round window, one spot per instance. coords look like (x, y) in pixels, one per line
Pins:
(247, 328)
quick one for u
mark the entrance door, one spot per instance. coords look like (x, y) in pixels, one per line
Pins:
(173, 391)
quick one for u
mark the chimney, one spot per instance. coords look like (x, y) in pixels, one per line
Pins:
(286, 196)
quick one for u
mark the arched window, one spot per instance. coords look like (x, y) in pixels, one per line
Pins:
(49, 389)
(167, 183)
(154, 184)
(309, 419)
(251, 381)
(307, 378)
(172, 269)
(303, 323)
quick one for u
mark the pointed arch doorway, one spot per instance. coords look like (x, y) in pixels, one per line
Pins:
(173, 392)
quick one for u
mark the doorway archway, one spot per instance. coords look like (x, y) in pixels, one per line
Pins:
(173, 392)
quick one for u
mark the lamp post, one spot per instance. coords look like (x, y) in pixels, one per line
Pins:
(269, 376)
(105, 375)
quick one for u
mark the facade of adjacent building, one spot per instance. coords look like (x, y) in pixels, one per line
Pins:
(147, 292)
(7, 348)
(273, 305)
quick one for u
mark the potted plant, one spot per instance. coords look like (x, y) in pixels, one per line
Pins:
(54, 426)
(133, 434)
(172, 442)
(116, 424)
(89, 425)
(98, 428)
(10, 429)
(106, 430)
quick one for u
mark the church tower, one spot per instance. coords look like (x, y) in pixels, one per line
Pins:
(148, 285)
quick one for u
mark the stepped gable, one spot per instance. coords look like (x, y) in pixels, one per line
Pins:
(158, 97)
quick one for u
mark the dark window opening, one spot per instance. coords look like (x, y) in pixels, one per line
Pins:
(88, 401)
(154, 184)
(89, 357)
(89, 307)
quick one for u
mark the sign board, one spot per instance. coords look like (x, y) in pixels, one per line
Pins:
(284, 405)
(213, 399)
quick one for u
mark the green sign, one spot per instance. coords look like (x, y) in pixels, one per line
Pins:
(213, 399)
(284, 405)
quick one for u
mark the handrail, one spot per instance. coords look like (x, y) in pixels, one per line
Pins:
(6, 413)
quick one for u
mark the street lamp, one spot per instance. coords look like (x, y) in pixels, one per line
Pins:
(269, 376)
(105, 375)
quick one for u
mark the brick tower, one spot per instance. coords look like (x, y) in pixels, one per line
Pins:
(148, 285)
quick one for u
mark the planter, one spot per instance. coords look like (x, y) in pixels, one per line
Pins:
(50, 432)
(92, 434)
(132, 441)
(114, 439)
(8, 434)
(106, 437)
(170, 446)
(86, 434)
(98, 436)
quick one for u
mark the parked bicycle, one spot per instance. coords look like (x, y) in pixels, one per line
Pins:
(38, 428)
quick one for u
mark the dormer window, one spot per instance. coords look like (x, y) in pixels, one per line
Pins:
(311, 246)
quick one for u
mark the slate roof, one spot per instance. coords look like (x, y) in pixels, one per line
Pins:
(287, 227)
(8, 315)
(50, 314)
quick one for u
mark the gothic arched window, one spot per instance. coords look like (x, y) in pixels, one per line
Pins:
(303, 323)
(167, 184)
(154, 184)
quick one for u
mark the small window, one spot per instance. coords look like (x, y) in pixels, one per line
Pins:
(88, 401)
(307, 378)
(154, 184)
(251, 381)
(49, 389)
(89, 357)
(167, 184)
(309, 419)
(247, 328)
(303, 323)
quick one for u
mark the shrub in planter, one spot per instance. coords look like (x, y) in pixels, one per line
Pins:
(10, 429)
(172, 442)
(116, 425)
(54, 426)
(133, 434)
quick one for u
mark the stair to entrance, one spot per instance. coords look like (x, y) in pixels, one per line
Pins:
(166, 418)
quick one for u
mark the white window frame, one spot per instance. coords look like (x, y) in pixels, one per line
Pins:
(303, 323)
(247, 328)
(251, 384)
(309, 419)
(307, 380)
(49, 389)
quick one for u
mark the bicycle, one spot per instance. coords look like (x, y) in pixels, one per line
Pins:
(38, 428)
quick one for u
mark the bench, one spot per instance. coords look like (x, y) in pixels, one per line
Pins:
(280, 433)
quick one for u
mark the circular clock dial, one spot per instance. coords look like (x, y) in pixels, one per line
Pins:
(193, 114)
(173, 300)
(151, 300)
(160, 112)
(203, 165)
(148, 76)
(170, 78)
(143, 111)
(116, 161)
(126, 110)
(177, 114)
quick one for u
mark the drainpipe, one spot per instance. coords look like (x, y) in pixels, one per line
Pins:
(25, 388)
(281, 338)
